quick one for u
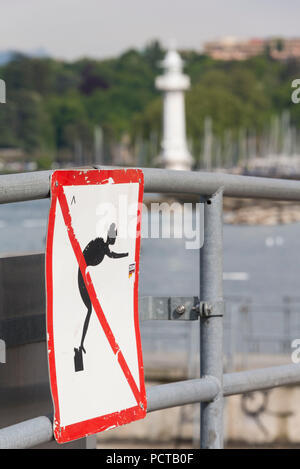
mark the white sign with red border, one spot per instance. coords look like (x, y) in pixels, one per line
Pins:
(92, 267)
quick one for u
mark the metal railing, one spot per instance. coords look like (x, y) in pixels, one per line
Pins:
(213, 385)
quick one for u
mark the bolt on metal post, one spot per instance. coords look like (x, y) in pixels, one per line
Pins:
(211, 325)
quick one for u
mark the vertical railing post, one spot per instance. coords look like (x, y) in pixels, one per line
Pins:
(211, 318)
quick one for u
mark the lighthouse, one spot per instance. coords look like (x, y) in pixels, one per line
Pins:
(173, 83)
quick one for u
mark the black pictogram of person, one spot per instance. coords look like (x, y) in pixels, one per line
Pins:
(94, 254)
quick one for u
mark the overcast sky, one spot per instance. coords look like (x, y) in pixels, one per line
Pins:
(73, 28)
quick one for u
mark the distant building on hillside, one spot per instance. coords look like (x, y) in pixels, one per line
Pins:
(231, 48)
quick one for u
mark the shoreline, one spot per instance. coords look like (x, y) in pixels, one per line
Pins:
(260, 212)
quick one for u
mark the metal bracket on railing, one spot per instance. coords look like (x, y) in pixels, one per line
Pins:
(178, 308)
(208, 309)
(170, 308)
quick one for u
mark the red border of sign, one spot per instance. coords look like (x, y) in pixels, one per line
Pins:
(79, 177)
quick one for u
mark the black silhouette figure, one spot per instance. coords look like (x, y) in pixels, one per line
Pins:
(94, 254)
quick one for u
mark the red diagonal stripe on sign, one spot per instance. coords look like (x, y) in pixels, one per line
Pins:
(93, 295)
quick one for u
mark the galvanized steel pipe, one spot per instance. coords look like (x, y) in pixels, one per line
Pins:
(211, 324)
(181, 393)
(36, 185)
(26, 434)
(262, 378)
(37, 431)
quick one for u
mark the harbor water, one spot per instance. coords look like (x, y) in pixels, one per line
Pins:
(261, 270)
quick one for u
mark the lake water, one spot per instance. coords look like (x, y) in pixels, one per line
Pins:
(261, 263)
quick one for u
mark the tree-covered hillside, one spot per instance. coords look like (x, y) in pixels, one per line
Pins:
(54, 106)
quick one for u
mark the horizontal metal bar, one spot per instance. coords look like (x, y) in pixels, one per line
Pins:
(206, 389)
(39, 430)
(26, 434)
(24, 186)
(206, 184)
(181, 393)
(36, 185)
(262, 378)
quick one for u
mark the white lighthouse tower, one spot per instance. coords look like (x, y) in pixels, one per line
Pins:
(173, 83)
